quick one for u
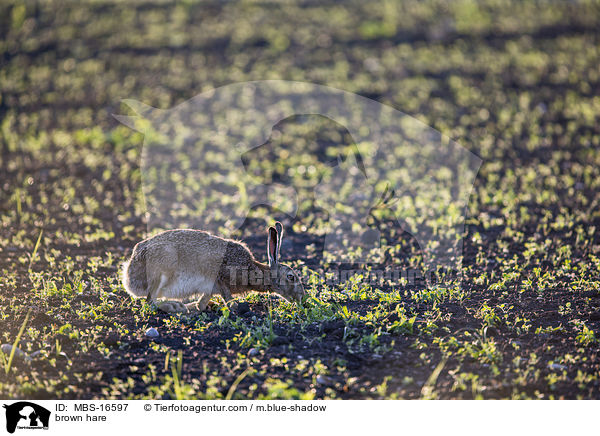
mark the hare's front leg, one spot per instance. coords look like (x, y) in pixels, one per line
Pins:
(228, 298)
(226, 294)
(199, 305)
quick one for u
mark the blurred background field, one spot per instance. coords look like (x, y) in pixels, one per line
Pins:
(516, 83)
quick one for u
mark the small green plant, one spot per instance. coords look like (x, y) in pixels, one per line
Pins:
(33, 255)
(586, 336)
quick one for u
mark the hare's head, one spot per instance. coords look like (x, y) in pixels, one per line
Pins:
(284, 279)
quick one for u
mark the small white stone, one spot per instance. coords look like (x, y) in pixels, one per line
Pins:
(557, 367)
(152, 333)
(252, 352)
(324, 380)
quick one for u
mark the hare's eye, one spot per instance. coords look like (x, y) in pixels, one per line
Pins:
(291, 277)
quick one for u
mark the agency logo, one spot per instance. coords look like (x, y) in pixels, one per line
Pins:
(196, 171)
(24, 415)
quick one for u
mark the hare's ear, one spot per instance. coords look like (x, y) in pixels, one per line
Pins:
(272, 246)
(279, 228)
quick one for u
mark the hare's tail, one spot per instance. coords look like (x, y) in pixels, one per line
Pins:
(135, 278)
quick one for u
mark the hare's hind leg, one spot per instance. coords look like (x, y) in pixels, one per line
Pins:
(172, 307)
(155, 291)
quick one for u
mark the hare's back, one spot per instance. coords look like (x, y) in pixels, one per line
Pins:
(196, 249)
(180, 237)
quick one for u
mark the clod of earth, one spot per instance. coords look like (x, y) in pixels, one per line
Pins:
(18, 353)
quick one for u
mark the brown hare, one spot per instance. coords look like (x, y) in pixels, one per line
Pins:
(178, 264)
